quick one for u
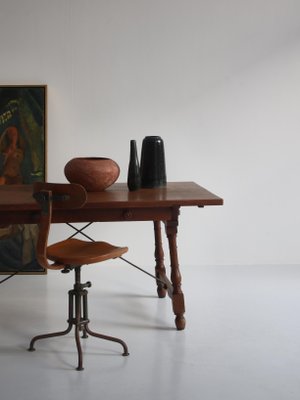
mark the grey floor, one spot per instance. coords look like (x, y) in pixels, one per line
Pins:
(242, 339)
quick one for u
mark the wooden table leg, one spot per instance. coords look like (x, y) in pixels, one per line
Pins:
(160, 270)
(177, 296)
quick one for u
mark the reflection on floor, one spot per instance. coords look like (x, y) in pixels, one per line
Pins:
(242, 339)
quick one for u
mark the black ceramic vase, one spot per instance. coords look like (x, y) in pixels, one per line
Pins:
(153, 167)
(133, 176)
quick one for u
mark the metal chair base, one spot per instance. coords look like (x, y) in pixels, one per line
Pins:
(78, 316)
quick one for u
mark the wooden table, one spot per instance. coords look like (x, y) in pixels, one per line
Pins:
(17, 206)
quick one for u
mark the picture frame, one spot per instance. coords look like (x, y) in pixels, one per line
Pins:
(23, 142)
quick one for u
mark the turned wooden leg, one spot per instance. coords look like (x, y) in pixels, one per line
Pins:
(160, 270)
(178, 296)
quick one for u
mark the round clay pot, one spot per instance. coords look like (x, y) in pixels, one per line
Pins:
(93, 173)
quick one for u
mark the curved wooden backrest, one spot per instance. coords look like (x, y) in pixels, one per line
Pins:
(54, 196)
(64, 195)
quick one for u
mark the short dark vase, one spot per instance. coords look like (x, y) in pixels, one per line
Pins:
(153, 166)
(133, 176)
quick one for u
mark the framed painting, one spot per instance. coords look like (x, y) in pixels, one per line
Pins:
(22, 161)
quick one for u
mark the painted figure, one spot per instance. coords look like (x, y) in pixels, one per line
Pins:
(12, 155)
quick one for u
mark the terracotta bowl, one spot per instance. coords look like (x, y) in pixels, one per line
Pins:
(93, 173)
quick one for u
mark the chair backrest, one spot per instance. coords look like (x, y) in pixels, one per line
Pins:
(54, 196)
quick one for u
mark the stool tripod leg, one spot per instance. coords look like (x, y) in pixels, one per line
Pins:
(48, 335)
(79, 349)
(59, 333)
(98, 335)
(110, 338)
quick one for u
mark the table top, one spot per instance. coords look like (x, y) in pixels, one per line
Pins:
(19, 197)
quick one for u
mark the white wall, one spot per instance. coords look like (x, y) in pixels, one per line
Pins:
(218, 80)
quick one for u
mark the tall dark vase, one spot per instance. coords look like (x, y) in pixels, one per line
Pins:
(133, 176)
(153, 167)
